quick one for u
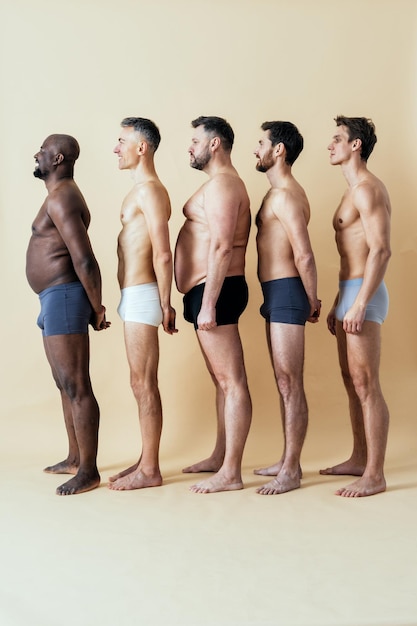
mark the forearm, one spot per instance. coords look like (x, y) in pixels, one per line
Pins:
(306, 268)
(89, 275)
(217, 265)
(163, 268)
(374, 272)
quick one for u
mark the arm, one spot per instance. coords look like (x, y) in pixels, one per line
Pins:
(157, 209)
(293, 221)
(375, 220)
(66, 210)
(221, 206)
(331, 317)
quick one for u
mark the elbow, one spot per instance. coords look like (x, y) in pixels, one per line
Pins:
(163, 259)
(305, 261)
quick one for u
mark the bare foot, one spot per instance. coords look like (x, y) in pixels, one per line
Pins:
(348, 468)
(64, 467)
(274, 470)
(208, 465)
(125, 472)
(363, 487)
(137, 479)
(217, 483)
(80, 483)
(280, 484)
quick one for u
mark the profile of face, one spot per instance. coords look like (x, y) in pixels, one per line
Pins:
(199, 151)
(43, 160)
(127, 148)
(340, 147)
(264, 153)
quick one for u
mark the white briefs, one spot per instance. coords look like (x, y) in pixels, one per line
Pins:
(141, 303)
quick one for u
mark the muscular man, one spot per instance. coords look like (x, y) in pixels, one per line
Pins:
(145, 278)
(62, 269)
(210, 271)
(287, 272)
(362, 225)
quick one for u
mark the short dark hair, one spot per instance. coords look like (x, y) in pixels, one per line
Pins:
(146, 128)
(288, 134)
(359, 128)
(217, 127)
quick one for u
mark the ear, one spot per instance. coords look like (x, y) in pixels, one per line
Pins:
(215, 143)
(279, 149)
(356, 144)
(142, 148)
(58, 158)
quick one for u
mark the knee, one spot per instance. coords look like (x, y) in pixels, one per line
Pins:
(287, 384)
(142, 385)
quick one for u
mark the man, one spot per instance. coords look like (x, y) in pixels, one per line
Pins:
(145, 278)
(362, 225)
(62, 269)
(287, 272)
(210, 271)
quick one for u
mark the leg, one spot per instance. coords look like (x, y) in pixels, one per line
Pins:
(69, 357)
(214, 462)
(363, 352)
(142, 350)
(356, 463)
(274, 469)
(287, 350)
(223, 350)
(71, 464)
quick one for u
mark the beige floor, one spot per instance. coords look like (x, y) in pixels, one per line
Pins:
(168, 556)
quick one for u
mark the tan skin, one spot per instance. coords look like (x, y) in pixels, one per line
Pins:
(144, 257)
(60, 252)
(284, 251)
(362, 227)
(211, 245)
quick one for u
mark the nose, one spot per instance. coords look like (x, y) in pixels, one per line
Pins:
(330, 146)
(116, 149)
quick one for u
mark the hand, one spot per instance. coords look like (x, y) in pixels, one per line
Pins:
(315, 312)
(331, 320)
(206, 319)
(98, 320)
(168, 321)
(353, 320)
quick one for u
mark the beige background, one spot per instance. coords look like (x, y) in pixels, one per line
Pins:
(177, 558)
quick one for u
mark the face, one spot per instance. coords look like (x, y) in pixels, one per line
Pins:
(44, 160)
(127, 148)
(199, 150)
(264, 153)
(340, 148)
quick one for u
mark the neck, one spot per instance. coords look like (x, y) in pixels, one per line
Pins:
(144, 170)
(353, 171)
(279, 173)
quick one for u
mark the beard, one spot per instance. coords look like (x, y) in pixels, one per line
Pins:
(199, 163)
(266, 163)
(37, 172)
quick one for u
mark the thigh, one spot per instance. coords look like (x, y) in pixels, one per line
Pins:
(364, 349)
(287, 347)
(69, 357)
(142, 348)
(222, 349)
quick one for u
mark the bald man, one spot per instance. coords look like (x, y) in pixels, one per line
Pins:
(62, 269)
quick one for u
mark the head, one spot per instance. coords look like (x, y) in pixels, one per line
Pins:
(360, 130)
(288, 135)
(57, 151)
(138, 137)
(211, 133)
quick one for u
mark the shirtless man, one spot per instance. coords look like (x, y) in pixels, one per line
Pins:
(145, 278)
(62, 269)
(210, 271)
(287, 272)
(362, 225)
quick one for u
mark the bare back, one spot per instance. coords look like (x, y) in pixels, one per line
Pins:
(219, 206)
(48, 258)
(362, 224)
(282, 229)
(146, 207)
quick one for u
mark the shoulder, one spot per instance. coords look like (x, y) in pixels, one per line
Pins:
(369, 194)
(66, 197)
